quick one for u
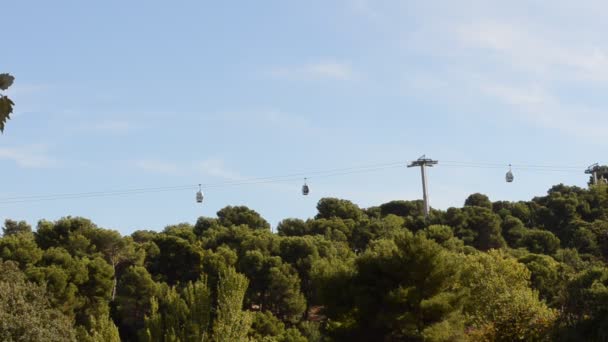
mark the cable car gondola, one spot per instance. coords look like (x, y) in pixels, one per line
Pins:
(509, 176)
(199, 195)
(305, 189)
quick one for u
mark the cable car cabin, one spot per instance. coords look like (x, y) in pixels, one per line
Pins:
(509, 176)
(305, 190)
(199, 196)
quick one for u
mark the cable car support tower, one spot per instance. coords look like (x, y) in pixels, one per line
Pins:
(423, 162)
(593, 170)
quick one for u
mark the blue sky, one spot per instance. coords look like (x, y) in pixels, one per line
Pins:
(118, 95)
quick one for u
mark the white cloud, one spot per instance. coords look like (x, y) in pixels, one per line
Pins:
(536, 105)
(217, 168)
(158, 166)
(112, 126)
(106, 126)
(17, 89)
(543, 52)
(212, 167)
(320, 70)
(269, 121)
(31, 156)
(519, 96)
(531, 69)
(282, 119)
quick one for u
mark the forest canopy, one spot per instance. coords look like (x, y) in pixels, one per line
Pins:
(488, 271)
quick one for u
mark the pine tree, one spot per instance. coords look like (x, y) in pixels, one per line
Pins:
(231, 323)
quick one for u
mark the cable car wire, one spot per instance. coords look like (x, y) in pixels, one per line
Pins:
(287, 178)
(251, 181)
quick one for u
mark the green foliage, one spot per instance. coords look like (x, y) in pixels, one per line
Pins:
(231, 322)
(413, 280)
(478, 200)
(177, 261)
(376, 228)
(102, 330)
(476, 226)
(241, 215)
(586, 309)
(284, 297)
(444, 236)
(539, 241)
(6, 105)
(182, 230)
(203, 224)
(292, 227)
(337, 208)
(134, 300)
(502, 271)
(513, 229)
(97, 290)
(179, 316)
(265, 325)
(13, 227)
(311, 331)
(500, 305)
(402, 208)
(25, 313)
(548, 276)
(62, 274)
(20, 248)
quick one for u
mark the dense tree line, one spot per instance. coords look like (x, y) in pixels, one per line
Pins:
(489, 271)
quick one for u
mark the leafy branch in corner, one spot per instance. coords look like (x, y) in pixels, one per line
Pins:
(6, 104)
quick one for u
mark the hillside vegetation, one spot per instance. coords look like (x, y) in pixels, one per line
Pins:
(489, 271)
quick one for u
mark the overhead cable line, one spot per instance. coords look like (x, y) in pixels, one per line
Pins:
(250, 181)
(291, 177)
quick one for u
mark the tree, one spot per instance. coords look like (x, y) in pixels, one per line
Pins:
(513, 230)
(334, 228)
(586, 309)
(241, 215)
(6, 105)
(265, 325)
(539, 241)
(184, 314)
(444, 236)
(177, 261)
(416, 296)
(13, 227)
(548, 276)
(478, 200)
(20, 248)
(231, 322)
(284, 297)
(203, 224)
(476, 226)
(301, 253)
(403, 208)
(102, 329)
(182, 230)
(116, 250)
(70, 233)
(292, 227)
(179, 314)
(338, 208)
(96, 292)
(133, 300)
(25, 313)
(375, 228)
(500, 305)
(62, 274)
